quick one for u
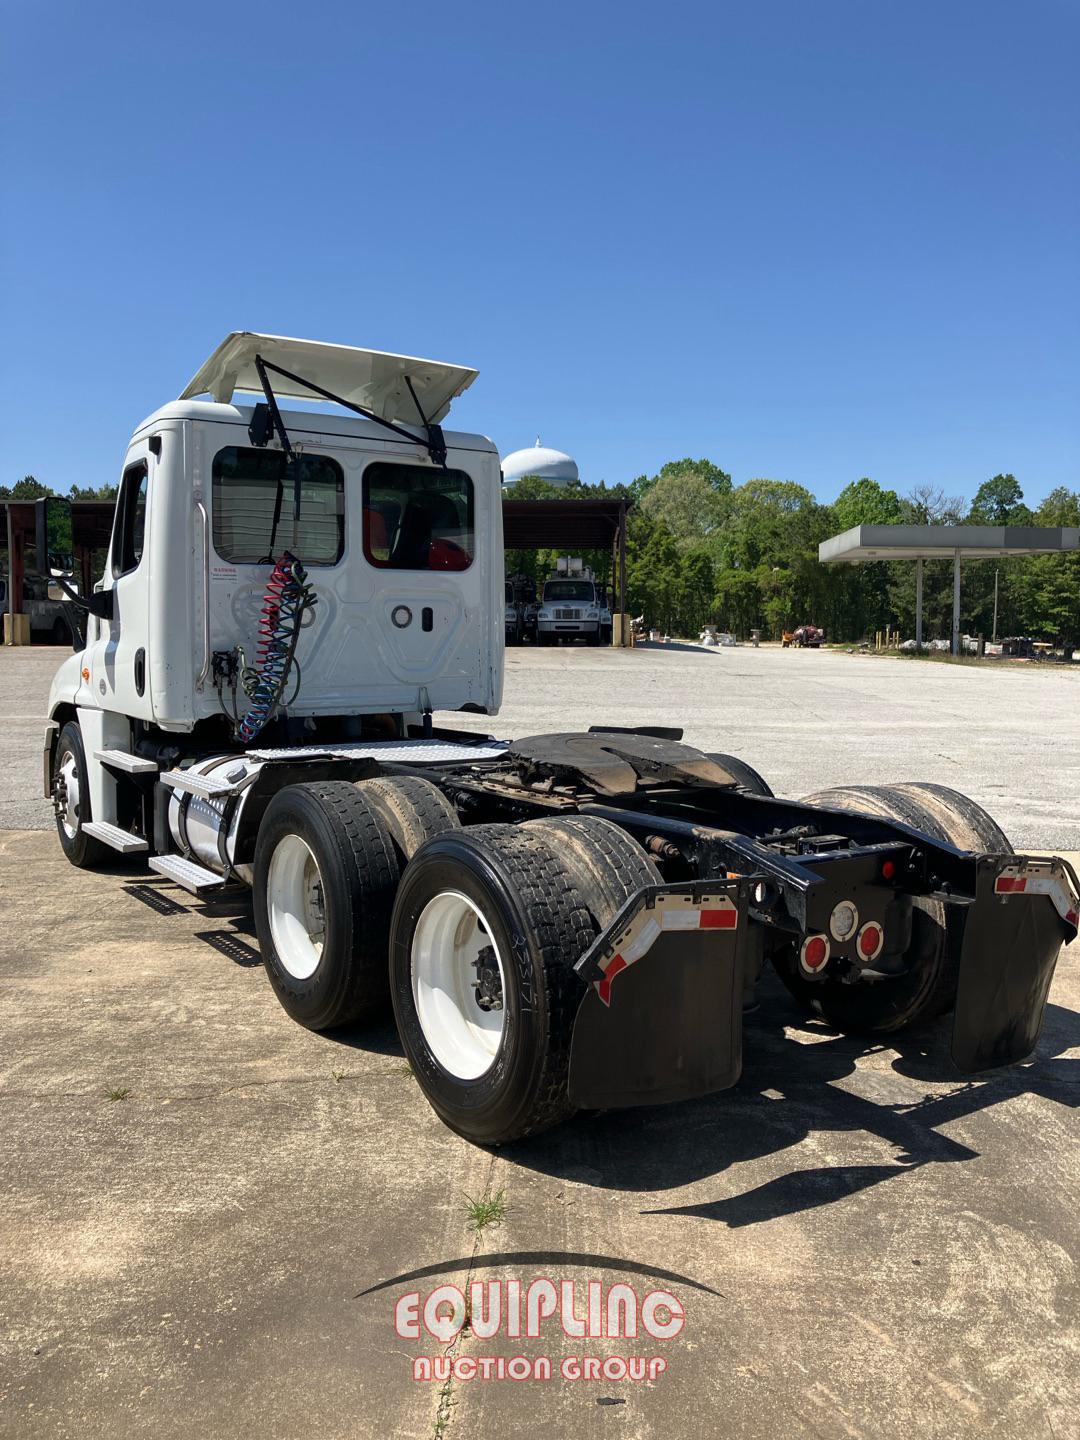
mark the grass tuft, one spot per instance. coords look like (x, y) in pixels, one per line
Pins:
(120, 1094)
(488, 1210)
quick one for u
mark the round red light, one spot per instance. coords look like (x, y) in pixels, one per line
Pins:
(870, 940)
(888, 870)
(815, 952)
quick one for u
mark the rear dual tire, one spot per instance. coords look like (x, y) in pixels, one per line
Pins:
(927, 987)
(522, 902)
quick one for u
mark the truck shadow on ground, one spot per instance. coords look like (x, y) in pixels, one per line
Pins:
(792, 1090)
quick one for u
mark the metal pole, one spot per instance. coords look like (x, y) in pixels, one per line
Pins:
(622, 559)
(11, 568)
(918, 605)
(956, 603)
(994, 635)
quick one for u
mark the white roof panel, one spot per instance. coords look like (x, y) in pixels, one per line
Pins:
(369, 378)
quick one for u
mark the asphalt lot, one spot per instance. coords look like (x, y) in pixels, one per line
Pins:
(887, 1247)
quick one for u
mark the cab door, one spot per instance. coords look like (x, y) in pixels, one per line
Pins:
(117, 652)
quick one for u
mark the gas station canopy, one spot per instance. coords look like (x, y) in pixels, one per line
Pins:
(944, 542)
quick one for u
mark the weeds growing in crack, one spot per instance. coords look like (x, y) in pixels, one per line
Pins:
(488, 1210)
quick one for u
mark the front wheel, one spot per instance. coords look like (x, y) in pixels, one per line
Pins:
(487, 925)
(71, 801)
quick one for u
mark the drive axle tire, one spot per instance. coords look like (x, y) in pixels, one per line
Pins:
(608, 865)
(412, 809)
(486, 929)
(71, 797)
(928, 987)
(745, 775)
(325, 876)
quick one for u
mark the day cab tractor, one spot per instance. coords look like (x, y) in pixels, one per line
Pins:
(560, 921)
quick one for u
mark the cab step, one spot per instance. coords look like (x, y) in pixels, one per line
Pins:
(207, 787)
(186, 873)
(122, 760)
(115, 838)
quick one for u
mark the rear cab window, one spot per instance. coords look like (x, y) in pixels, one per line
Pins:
(418, 518)
(250, 486)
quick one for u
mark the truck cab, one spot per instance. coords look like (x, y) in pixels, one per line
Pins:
(403, 551)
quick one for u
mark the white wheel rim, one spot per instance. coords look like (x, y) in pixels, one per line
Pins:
(295, 902)
(449, 936)
(69, 816)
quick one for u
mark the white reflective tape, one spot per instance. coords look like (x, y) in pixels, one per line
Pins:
(642, 942)
(679, 919)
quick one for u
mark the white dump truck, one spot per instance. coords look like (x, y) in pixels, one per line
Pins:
(558, 921)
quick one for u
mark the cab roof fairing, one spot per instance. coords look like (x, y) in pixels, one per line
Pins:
(313, 422)
(390, 386)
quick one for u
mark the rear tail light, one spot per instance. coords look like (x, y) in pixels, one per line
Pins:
(888, 869)
(870, 942)
(814, 953)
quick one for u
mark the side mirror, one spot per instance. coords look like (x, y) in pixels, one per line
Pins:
(53, 547)
(55, 593)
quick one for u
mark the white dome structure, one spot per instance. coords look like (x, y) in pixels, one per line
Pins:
(554, 466)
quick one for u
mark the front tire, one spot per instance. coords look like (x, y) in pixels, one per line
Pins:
(325, 876)
(71, 801)
(486, 928)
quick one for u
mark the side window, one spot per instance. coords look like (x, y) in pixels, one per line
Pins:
(129, 526)
(417, 518)
(253, 507)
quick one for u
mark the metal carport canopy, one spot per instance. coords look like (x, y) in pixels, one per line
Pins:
(570, 525)
(553, 524)
(945, 542)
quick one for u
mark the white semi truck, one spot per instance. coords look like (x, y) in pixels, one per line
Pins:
(560, 921)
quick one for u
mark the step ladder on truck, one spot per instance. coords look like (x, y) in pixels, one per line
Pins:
(558, 921)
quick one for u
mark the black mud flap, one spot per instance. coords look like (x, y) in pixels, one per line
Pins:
(662, 1017)
(1024, 911)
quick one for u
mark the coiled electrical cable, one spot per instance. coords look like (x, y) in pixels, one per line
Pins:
(289, 596)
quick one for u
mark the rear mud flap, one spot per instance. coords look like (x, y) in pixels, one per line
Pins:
(1024, 911)
(662, 1019)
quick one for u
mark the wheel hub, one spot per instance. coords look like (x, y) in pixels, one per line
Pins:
(488, 982)
(66, 796)
(458, 985)
(296, 907)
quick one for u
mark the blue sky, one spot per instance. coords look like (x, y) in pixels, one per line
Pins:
(811, 241)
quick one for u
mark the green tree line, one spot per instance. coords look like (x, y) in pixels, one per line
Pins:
(701, 550)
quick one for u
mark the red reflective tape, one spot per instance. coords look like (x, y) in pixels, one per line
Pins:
(1005, 884)
(616, 964)
(725, 919)
(1072, 917)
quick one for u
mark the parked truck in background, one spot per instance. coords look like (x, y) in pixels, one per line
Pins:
(573, 606)
(558, 921)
